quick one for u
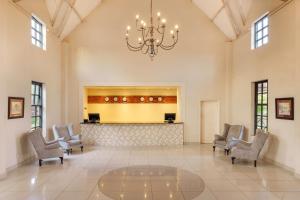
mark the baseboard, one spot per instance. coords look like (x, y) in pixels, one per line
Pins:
(278, 164)
(26, 161)
(187, 143)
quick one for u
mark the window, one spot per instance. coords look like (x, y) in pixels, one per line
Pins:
(38, 33)
(260, 32)
(36, 105)
(261, 105)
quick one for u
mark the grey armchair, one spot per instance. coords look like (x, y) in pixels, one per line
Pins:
(66, 138)
(250, 151)
(45, 149)
(231, 136)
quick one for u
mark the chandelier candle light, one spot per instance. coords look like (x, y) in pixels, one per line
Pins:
(152, 36)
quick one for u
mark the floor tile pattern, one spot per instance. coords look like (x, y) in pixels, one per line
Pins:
(78, 178)
(148, 181)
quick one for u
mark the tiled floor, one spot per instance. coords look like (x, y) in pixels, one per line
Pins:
(151, 182)
(79, 177)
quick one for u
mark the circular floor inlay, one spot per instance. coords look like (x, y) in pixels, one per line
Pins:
(151, 182)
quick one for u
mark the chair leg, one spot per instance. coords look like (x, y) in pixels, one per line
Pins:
(61, 160)
(232, 160)
(228, 152)
(81, 148)
(255, 163)
(40, 162)
(214, 148)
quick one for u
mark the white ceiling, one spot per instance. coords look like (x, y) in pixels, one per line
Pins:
(228, 15)
(66, 15)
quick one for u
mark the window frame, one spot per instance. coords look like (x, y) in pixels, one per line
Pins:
(35, 23)
(39, 106)
(262, 105)
(255, 31)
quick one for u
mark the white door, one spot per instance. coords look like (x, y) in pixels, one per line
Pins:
(210, 120)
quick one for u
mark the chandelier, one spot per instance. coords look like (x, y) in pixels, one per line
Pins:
(152, 36)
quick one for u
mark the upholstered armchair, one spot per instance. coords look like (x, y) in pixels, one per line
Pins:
(250, 151)
(231, 136)
(45, 149)
(66, 138)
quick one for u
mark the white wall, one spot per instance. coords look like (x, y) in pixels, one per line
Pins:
(277, 63)
(20, 64)
(98, 53)
(2, 89)
(297, 100)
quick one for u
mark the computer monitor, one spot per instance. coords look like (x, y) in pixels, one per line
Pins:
(94, 117)
(170, 116)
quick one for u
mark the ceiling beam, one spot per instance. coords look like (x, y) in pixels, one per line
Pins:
(285, 3)
(218, 12)
(75, 11)
(242, 15)
(231, 18)
(67, 15)
(57, 10)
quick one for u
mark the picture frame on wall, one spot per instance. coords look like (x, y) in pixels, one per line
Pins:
(16, 107)
(285, 108)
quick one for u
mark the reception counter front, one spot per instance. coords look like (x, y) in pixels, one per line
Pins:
(133, 134)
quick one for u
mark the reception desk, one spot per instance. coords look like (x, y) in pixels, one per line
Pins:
(133, 134)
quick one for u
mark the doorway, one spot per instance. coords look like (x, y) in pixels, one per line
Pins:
(210, 121)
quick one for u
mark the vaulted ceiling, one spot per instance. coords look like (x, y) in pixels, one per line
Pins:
(67, 14)
(228, 15)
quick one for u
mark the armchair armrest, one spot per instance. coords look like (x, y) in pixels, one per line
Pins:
(61, 139)
(244, 145)
(63, 144)
(51, 142)
(76, 137)
(219, 137)
(232, 142)
(52, 146)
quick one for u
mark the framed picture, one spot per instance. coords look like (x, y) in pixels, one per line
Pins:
(15, 107)
(285, 108)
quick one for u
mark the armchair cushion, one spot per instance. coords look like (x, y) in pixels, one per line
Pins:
(76, 137)
(220, 142)
(63, 132)
(74, 142)
(219, 137)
